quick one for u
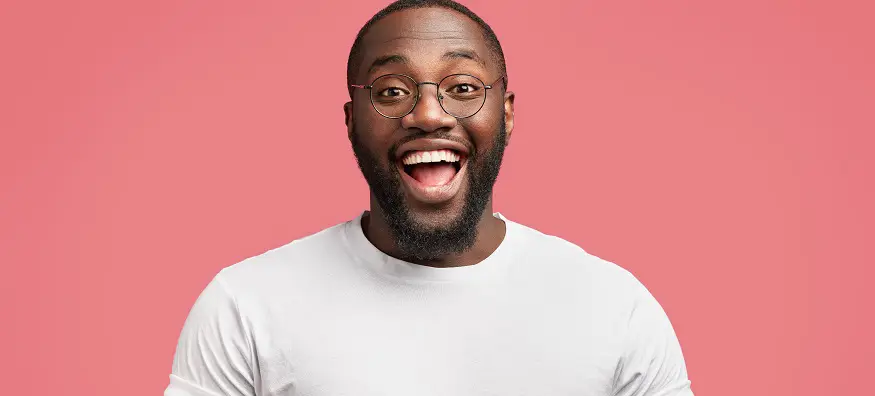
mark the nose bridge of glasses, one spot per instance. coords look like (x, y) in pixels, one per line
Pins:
(420, 94)
(424, 105)
(436, 87)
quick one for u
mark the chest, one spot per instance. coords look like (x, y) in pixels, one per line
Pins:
(463, 347)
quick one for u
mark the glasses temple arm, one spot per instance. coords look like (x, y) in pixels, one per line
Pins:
(503, 77)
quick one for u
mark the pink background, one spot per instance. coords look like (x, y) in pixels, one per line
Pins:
(720, 151)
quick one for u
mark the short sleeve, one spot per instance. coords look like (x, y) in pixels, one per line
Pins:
(214, 354)
(652, 363)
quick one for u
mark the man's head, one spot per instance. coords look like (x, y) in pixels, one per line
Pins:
(430, 172)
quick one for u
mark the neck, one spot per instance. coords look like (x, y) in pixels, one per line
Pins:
(490, 233)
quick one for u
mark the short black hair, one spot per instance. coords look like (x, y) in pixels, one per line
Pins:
(400, 5)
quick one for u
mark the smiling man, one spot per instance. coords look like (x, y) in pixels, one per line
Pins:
(429, 292)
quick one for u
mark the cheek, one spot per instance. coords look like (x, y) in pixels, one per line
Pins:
(374, 135)
(372, 124)
(484, 126)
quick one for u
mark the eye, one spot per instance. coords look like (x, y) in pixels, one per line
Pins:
(393, 92)
(462, 88)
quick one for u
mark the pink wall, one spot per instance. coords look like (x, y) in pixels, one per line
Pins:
(720, 151)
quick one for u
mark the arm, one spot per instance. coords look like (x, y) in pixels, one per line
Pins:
(214, 354)
(652, 363)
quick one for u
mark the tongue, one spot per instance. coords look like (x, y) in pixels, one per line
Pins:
(433, 174)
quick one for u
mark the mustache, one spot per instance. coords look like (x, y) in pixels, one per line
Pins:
(442, 134)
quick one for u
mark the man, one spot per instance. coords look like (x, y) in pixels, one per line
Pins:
(429, 292)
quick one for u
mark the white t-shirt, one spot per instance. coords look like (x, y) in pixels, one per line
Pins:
(331, 315)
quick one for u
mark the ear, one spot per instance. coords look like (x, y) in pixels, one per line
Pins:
(347, 115)
(508, 114)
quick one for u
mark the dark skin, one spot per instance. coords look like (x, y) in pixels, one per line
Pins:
(434, 42)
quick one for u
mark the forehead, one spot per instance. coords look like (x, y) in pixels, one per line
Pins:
(424, 36)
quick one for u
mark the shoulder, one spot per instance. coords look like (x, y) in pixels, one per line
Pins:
(288, 267)
(564, 262)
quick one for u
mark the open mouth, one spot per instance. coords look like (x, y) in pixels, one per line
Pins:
(432, 168)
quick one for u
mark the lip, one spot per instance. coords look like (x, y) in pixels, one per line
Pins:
(433, 194)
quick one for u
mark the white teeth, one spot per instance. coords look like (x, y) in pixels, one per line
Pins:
(418, 157)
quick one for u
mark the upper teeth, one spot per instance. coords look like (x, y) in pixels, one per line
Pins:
(418, 157)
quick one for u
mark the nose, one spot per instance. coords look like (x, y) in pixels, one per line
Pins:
(428, 115)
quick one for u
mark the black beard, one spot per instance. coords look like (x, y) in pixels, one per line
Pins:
(417, 242)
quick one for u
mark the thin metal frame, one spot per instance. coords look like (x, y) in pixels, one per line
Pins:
(419, 93)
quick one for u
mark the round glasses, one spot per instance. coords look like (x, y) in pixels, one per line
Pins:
(395, 95)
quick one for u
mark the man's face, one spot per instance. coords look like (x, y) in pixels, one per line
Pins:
(432, 209)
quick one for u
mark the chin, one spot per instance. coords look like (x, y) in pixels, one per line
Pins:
(434, 220)
(440, 216)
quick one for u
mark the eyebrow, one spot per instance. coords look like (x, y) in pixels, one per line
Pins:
(463, 54)
(449, 55)
(387, 59)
